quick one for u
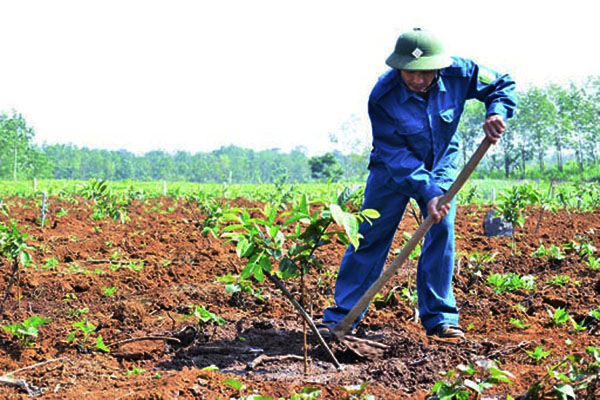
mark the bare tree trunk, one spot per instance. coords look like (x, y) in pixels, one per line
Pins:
(559, 159)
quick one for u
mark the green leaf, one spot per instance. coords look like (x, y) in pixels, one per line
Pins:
(100, 344)
(288, 268)
(371, 213)
(348, 221)
(25, 258)
(472, 385)
(565, 392)
(243, 248)
(234, 383)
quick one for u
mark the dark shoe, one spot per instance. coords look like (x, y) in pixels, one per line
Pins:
(447, 331)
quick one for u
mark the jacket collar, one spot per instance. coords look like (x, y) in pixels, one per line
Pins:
(404, 93)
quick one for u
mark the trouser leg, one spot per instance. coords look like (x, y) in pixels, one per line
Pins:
(361, 267)
(434, 273)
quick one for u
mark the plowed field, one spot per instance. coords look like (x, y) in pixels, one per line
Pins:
(261, 343)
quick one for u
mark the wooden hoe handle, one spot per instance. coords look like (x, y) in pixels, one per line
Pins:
(344, 325)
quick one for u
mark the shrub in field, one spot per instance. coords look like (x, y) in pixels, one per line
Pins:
(512, 202)
(26, 330)
(291, 244)
(261, 240)
(215, 211)
(106, 203)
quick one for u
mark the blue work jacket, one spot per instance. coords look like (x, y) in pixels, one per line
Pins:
(414, 138)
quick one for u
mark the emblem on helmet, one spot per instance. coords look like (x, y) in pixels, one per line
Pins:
(417, 53)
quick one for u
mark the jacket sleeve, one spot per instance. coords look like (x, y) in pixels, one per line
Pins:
(405, 168)
(496, 91)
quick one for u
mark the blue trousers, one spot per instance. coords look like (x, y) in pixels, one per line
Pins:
(361, 268)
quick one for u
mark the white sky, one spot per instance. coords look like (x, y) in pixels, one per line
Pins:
(197, 75)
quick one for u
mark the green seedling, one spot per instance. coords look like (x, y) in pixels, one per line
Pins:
(82, 335)
(510, 282)
(69, 297)
(135, 371)
(578, 326)
(136, 266)
(559, 280)
(560, 317)
(471, 381)
(414, 255)
(593, 263)
(517, 323)
(552, 253)
(411, 296)
(538, 354)
(83, 328)
(204, 316)
(26, 330)
(571, 376)
(50, 263)
(14, 247)
(236, 284)
(476, 262)
(520, 307)
(109, 291)
(354, 391)
(512, 202)
(78, 312)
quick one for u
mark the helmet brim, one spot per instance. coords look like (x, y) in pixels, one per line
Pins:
(418, 64)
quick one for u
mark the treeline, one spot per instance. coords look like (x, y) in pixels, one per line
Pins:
(555, 133)
(553, 125)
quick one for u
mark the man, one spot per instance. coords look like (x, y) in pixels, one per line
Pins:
(414, 109)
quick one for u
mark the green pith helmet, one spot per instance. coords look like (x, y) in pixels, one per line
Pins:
(418, 50)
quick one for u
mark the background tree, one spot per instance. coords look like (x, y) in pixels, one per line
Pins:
(325, 167)
(17, 153)
(470, 131)
(533, 120)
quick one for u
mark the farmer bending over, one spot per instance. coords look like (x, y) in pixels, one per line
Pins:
(414, 109)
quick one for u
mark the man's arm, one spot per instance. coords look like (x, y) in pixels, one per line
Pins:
(498, 93)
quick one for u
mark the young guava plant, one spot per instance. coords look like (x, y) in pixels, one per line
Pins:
(14, 247)
(105, 202)
(291, 244)
(512, 202)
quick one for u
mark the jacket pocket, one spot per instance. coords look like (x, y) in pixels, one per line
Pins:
(410, 127)
(448, 115)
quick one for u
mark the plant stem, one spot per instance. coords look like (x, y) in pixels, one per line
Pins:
(304, 315)
(10, 283)
(303, 302)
